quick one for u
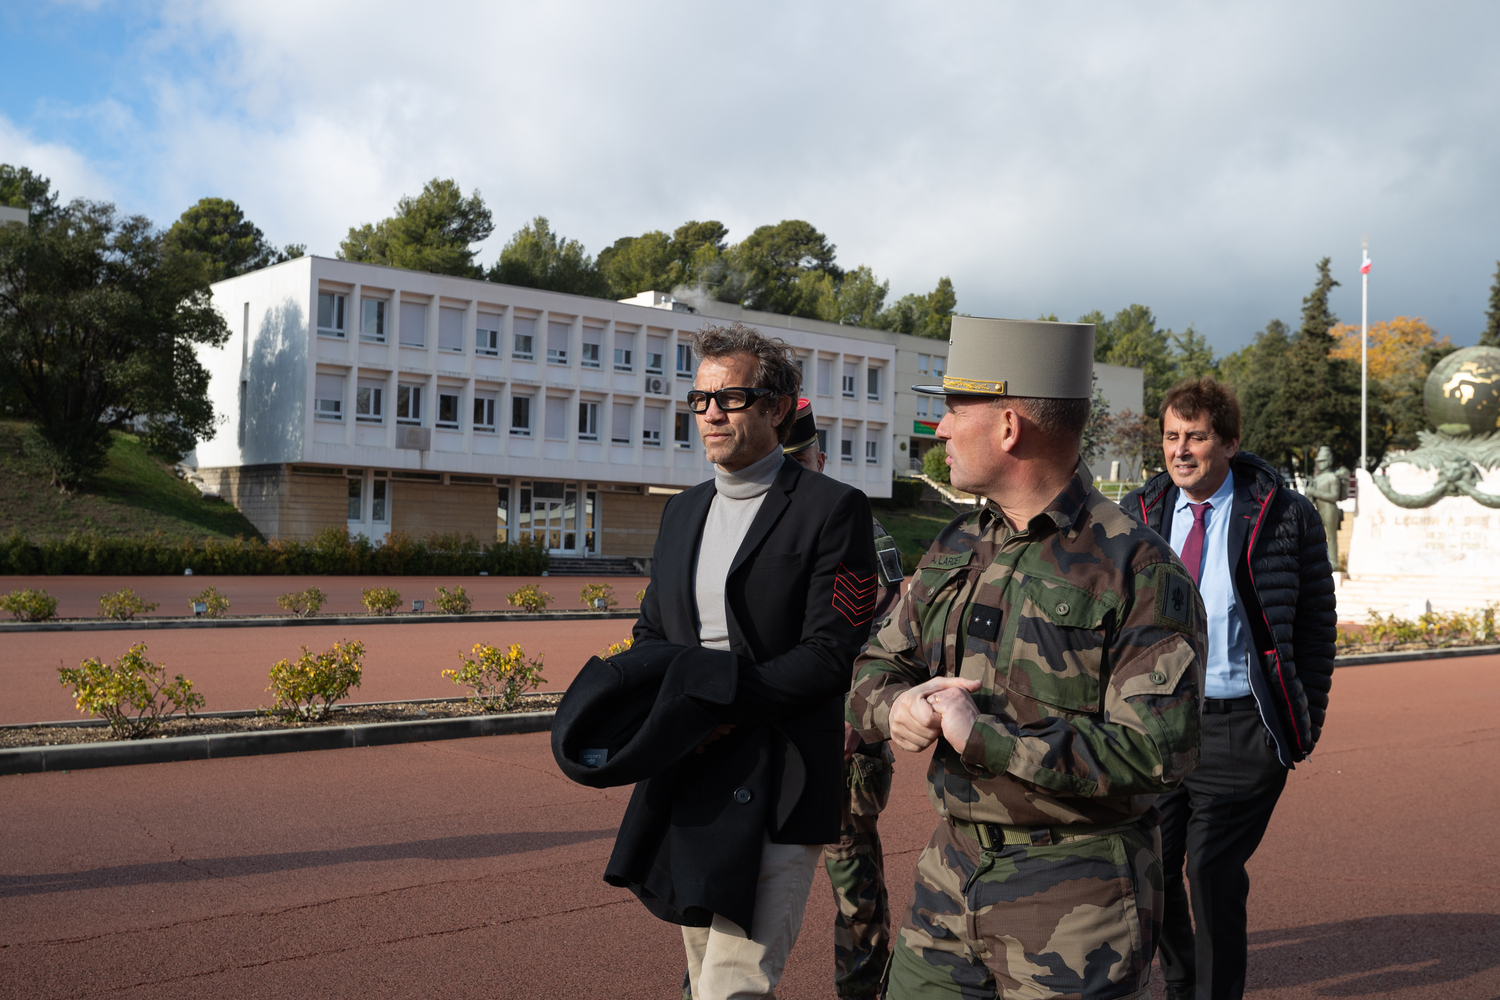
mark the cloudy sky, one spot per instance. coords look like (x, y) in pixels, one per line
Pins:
(1198, 158)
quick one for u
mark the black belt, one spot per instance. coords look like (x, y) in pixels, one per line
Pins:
(1219, 706)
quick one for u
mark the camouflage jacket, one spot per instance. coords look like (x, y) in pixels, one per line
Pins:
(1087, 637)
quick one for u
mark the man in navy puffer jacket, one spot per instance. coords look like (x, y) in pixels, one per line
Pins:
(1259, 555)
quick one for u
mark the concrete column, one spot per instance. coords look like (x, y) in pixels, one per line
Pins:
(393, 323)
(471, 328)
(351, 384)
(466, 397)
(392, 381)
(638, 430)
(570, 424)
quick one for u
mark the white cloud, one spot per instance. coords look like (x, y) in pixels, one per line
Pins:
(1196, 158)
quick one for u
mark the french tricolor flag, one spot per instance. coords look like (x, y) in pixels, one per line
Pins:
(1365, 267)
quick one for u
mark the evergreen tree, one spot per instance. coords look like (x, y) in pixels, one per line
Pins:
(536, 257)
(1491, 335)
(217, 229)
(1317, 396)
(1254, 373)
(101, 318)
(433, 231)
(20, 188)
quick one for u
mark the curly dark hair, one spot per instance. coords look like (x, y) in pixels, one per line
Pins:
(775, 363)
(1204, 395)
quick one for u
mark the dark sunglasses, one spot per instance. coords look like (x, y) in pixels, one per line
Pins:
(735, 397)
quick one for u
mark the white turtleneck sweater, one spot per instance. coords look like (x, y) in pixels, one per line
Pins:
(737, 499)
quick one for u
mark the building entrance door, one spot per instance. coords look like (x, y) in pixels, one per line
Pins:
(550, 514)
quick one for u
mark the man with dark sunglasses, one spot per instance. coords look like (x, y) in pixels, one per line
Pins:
(774, 567)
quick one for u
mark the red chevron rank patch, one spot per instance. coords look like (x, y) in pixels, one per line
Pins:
(854, 595)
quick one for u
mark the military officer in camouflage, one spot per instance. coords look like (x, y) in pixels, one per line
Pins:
(1050, 650)
(862, 928)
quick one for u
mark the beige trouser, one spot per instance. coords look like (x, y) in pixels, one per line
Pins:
(724, 964)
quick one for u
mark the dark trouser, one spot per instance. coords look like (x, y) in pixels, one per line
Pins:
(1217, 818)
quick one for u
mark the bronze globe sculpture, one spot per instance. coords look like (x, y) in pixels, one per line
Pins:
(1463, 392)
(1463, 402)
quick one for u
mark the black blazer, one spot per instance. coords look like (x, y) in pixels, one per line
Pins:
(799, 598)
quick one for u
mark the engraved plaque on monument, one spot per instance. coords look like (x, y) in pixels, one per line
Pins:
(1427, 534)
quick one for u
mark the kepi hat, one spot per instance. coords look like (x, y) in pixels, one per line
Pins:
(1017, 357)
(804, 430)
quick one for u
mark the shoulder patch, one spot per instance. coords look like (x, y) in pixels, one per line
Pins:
(1174, 599)
(950, 560)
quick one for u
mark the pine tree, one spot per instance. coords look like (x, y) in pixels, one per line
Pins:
(1491, 335)
(1317, 396)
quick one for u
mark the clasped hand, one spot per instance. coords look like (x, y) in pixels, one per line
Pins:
(943, 706)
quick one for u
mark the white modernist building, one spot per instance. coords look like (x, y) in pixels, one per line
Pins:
(386, 400)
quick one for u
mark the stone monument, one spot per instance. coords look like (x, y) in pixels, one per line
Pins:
(1427, 534)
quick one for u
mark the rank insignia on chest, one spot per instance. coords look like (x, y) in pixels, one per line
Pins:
(984, 623)
(1174, 600)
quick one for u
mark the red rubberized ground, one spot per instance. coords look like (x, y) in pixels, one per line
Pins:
(471, 868)
(78, 596)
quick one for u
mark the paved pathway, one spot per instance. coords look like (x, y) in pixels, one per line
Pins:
(471, 868)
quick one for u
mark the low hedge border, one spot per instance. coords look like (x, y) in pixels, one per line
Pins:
(279, 621)
(332, 552)
(78, 756)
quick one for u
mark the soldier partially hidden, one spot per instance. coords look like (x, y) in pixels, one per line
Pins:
(1051, 650)
(862, 929)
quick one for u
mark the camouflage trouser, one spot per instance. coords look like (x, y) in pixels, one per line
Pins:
(862, 930)
(1074, 919)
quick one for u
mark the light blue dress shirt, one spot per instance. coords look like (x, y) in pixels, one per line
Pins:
(1227, 675)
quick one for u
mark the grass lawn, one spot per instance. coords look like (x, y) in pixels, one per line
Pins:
(135, 494)
(914, 528)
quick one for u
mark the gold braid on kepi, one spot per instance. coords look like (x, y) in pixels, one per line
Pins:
(804, 430)
(1016, 357)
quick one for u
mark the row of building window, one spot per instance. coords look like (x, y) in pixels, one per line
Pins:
(331, 308)
(369, 408)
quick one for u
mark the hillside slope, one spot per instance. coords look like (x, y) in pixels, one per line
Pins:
(136, 494)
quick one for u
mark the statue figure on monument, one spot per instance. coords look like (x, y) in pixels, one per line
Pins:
(1326, 489)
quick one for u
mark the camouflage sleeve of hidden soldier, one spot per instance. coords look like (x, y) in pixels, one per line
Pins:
(1144, 737)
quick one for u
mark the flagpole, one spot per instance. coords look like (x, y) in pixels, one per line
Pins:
(1364, 357)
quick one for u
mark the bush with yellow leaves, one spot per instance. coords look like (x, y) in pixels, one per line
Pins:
(497, 677)
(132, 694)
(315, 677)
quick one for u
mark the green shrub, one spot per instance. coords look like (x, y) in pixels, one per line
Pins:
(497, 678)
(29, 605)
(382, 600)
(217, 602)
(332, 551)
(453, 602)
(529, 598)
(640, 595)
(904, 493)
(592, 592)
(321, 677)
(123, 605)
(132, 694)
(303, 603)
(934, 464)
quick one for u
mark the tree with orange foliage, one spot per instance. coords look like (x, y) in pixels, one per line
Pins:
(1398, 348)
(1402, 352)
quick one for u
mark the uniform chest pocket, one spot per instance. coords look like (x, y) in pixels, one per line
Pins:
(1057, 655)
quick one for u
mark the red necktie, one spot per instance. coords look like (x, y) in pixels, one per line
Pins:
(1192, 549)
